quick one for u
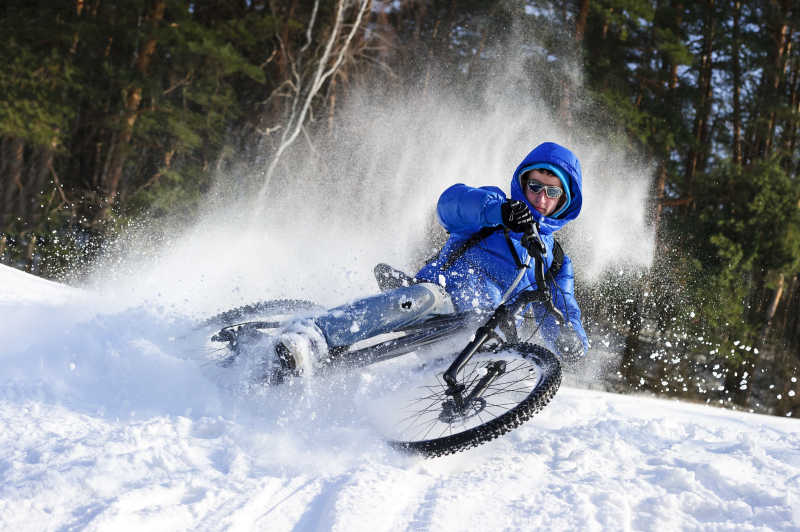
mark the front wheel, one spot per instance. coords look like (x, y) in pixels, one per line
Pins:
(421, 417)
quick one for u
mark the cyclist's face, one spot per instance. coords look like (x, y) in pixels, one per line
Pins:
(540, 201)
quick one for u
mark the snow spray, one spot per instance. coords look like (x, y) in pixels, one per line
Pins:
(366, 192)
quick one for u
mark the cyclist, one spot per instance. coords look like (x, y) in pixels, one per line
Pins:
(474, 269)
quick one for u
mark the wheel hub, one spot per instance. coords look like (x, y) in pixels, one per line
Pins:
(451, 413)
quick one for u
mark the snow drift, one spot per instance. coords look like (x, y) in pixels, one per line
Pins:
(108, 422)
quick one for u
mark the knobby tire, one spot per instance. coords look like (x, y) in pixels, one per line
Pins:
(535, 400)
(260, 308)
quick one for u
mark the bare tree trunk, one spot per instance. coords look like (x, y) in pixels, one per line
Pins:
(791, 315)
(606, 24)
(133, 100)
(661, 174)
(29, 253)
(784, 44)
(580, 23)
(132, 103)
(790, 123)
(332, 105)
(699, 150)
(633, 345)
(79, 5)
(795, 127)
(773, 307)
(737, 86)
(440, 35)
(659, 194)
(168, 155)
(305, 90)
(284, 59)
(14, 197)
(771, 78)
(38, 172)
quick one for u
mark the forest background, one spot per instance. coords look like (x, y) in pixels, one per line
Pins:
(113, 111)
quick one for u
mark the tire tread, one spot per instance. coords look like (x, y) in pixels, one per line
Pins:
(539, 397)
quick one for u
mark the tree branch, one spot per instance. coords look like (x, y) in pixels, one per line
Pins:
(297, 117)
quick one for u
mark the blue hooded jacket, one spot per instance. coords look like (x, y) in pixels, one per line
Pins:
(480, 277)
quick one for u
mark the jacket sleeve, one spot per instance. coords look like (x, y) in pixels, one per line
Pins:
(563, 293)
(464, 209)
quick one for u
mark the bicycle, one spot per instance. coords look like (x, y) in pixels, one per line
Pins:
(492, 385)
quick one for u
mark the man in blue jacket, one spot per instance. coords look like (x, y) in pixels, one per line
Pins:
(474, 269)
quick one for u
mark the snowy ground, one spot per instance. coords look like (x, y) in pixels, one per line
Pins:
(108, 422)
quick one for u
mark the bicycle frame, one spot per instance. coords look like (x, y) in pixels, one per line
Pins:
(503, 382)
(438, 328)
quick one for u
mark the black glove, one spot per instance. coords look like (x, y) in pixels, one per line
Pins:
(516, 215)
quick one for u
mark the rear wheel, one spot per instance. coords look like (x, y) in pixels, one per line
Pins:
(233, 328)
(273, 309)
(420, 416)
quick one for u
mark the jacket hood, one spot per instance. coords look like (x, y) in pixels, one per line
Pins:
(554, 154)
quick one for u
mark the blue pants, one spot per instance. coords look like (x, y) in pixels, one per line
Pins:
(383, 313)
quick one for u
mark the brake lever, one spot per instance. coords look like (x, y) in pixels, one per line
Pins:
(545, 298)
(554, 311)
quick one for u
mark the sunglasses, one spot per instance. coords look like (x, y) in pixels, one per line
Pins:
(551, 191)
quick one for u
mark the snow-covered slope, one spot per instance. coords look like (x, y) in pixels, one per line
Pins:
(108, 421)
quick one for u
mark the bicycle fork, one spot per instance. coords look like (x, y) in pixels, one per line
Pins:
(493, 370)
(504, 315)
